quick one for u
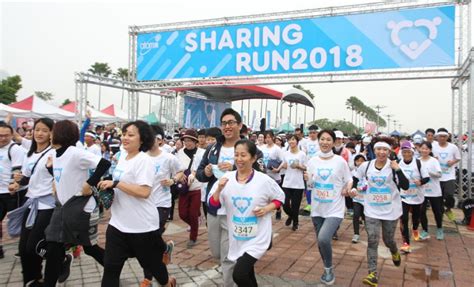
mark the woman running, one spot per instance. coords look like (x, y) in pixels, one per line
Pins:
(383, 206)
(330, 180)
(133, 229)
(432, 191)
(38, 209)
(249, 198)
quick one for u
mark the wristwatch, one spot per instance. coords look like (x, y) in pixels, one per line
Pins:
(116, 182)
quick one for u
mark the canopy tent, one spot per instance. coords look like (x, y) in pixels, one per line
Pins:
(298, 96)
(395, 133)
(40, 108)
(418, 132)
(5, 110)
(151, 118)
(115, 112)
(96, 116)
(287, 127)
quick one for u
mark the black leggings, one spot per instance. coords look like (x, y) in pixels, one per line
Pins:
(147, 247)
(415, 218)
(55, 260)
(358, 213)
(31, 263)
(244, 273)
(436, 207)
(292, 203)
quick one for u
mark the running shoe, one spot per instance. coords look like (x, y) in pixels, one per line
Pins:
(146, 283)
(17, 255)
(168, 252)
(355, 238)
(288, 221)
(335, 237)
(66, 268)
(440, 234)
(371, 279)
(295, 227)
(191, 243)
(405, 248)
(397, 259)
(328, 277)
(450, 215)
(424, 235)
(416, 235)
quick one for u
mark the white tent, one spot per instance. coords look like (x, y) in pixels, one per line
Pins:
(97, 116)
(40, 108)
(5, 110)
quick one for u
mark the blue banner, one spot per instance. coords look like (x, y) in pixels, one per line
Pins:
(200, 113)
(410, 38)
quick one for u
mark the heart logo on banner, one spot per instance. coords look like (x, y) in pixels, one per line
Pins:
(242, 203)
(415, 48)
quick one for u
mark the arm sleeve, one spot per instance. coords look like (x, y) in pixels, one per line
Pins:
(403, 182)
(100, 170)
(457, 154)
(85, 126)
(213, 205)
(276, 193)
(425, 177)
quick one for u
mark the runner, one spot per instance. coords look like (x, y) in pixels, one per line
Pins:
(294, 161)
(330, 179)
(249, 198)
(383, 205)
(76, 215)
(432, 191)
(413, 197)
(448, 155)
(358, 199)
(36, 212)
(133, 229)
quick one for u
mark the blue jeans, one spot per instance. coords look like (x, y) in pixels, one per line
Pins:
(325, 229)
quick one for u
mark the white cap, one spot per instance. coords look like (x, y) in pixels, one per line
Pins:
(339, 134)
(367, 139)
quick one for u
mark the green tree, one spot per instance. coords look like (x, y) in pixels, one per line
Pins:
(346, 127)
(8, 89)
(66, 102)
(47, 96)
(102, 70)
(121, 74)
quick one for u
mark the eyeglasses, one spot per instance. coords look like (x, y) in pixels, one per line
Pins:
(231, 123)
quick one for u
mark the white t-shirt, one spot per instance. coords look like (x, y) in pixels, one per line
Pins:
(445, 154)
(166, 148)
(166, 165)
(310, 147)
(95, 149)
(71, 170)
(226, 154)
(26, 143)
(131, 214)
(293, 176)
(272, 153)
(382, 200)
(197, 161)
(432, 188)
(414, 194)
(184, 161)
(327, 178)
(247, 232)
(41, 181)
(17, 154)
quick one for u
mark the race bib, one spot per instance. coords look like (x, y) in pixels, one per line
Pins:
(411, 192)
(324, 192)
(379, 196)
(245, 228)
(444, 168)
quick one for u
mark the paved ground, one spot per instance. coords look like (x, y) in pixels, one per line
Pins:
(293, 261)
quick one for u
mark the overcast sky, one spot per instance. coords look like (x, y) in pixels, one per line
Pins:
(46, 42)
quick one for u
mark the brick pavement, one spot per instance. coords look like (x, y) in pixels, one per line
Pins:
(293, 261)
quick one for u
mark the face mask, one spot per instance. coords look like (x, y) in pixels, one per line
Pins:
(217, 172)
(326, 154)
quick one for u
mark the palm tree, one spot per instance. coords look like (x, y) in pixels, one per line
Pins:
(102, 70)
(121, 74)
(47, 96)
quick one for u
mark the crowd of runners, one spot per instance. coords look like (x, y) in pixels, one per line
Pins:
(56, 182)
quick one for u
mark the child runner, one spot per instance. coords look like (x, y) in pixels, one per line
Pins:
(358, 199)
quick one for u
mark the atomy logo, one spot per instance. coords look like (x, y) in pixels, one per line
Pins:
(415, 48)
(147, 46)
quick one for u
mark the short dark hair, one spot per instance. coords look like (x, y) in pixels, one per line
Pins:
(65, 133)
(201, 132)
(269, 132)
(5, 125)
(357, 157)
(384, 139)
(230, 111)
(443, 130)
(158, 130)
(146, 134)
(298, 130)
(329, 132)
(313, 128)
(427, 144)
(350, 145)
(213, 132)
(430, 130)
(244, 129)
(288, 137)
